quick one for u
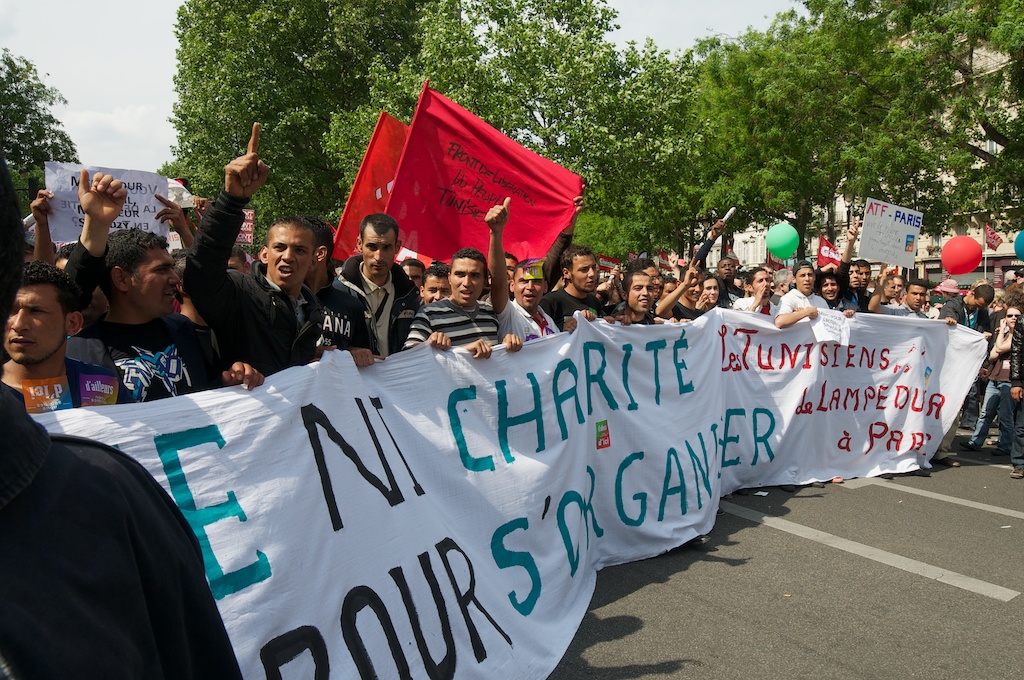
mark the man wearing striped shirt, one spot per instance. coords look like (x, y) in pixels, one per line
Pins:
(461, 320)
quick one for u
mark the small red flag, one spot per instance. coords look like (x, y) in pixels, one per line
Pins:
(606, 263)
(827, 253)
(991, 237)
(774, 262)
(373, 183)
(455, 167)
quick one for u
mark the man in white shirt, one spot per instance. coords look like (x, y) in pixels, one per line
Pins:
(759, 294)
(801, 302)
(523, 315)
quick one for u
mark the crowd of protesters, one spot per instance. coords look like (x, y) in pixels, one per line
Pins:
(116, 318)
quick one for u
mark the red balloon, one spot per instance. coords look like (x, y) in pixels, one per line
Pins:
(961, 255)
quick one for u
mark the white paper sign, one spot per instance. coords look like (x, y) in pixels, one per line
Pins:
(439, 516)
(890, 233)
(139, 211)
(831, 326)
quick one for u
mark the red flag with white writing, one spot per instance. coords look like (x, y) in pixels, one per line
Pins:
(774, 262)
(827, 253)
(991, 237)
(606, 263)
(373, 183)
(455, 167)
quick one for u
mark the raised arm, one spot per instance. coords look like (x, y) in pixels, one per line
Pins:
(496, 219)
(41, 210)
(553, 260)
(101, 199)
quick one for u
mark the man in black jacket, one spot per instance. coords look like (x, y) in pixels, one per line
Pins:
(157, 353)
(99, 573)
(268, 318)
(389, 298)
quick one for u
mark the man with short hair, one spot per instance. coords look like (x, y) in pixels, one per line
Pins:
(344, 323)
(726, 273)
(157, 353)
(913, 299)
(39, 373)
(463, 320)
(639, 289)
(579, 269)
(389, 297)
(759, 294)
(414, 269)
(782, 283)
(523, 316)
(801, 302)
(239, 260)
(970, 310)
(269, 318)
(435, 283)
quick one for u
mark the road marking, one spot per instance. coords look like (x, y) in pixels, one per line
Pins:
(874, 481)
(861, 550)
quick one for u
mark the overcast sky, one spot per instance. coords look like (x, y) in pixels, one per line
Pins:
(115, 68)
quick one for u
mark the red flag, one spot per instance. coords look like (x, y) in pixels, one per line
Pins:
(991, 237)
(827, 253)
(455, 167)
(729, 252)
(775, 263)
(663, 261)
(631, 255)
(373, 183)
(605, 263)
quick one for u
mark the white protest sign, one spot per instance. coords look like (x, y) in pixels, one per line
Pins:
(439, 516)
(890, 233)
(831, 326)
(139, 211)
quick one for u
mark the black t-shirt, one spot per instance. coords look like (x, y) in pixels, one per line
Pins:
(679, 313)
(560, 306)
(149, 363)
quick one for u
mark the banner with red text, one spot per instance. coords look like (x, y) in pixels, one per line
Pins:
(456, 531)
(455, 167)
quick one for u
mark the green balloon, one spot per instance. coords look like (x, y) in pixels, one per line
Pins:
(782, 240)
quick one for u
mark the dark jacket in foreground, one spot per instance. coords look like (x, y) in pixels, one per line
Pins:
(403, 309)
(254, 322)
(100, 575)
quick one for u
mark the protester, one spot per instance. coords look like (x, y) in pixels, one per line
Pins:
(914, 299)
(639, 289)
(345, 325)
(435, 283)
(239, 260)
(970, 310)
(156, 352)
(45, 314)
(1017, 394)
(801, 302)
(101, 575)
(579, 269)
(997, 398)
(826, 285)
(523, 315)
(726, 273)
(782, 283)
(689, 300)
(463, 320)
(389, 298)
(414, 269)
(268, 319)
(759, 294)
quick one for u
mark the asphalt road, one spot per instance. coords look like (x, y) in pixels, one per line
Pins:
(910, 578)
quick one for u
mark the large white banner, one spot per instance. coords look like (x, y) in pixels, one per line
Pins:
(139, 211)
(439, 516)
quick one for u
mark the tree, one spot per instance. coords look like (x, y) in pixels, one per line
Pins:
(546, 74)
(290, 66)
(30, 135)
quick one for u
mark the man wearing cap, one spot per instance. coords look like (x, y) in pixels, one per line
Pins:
(522, 315)
(801, 302)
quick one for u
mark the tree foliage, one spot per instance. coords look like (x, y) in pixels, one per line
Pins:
(30, 135)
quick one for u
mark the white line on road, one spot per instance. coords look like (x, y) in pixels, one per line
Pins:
(874, 481)
(861, 550)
